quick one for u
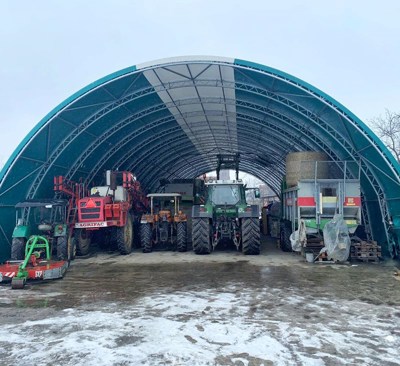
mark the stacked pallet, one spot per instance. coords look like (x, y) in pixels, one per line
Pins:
(314, 245)
(366, 251)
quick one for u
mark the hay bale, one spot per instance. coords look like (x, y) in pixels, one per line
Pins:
(301, 165)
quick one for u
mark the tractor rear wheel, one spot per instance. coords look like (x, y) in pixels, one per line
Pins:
(251, 236)
(125, 236)
(285, 243)
(82, 240)
(62, 248)
(146, 237)
(181, 236)
(18, 248)
(201, 235)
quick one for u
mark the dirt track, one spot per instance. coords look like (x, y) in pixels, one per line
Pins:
(222, 309)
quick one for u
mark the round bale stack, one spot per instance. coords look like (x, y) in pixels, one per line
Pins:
(301, 165)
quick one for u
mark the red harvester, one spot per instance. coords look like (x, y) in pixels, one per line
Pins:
(109, 212)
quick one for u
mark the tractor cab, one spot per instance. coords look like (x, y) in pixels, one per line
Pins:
(222, 193)
(44, 217)
(164, 205)
(37, 217)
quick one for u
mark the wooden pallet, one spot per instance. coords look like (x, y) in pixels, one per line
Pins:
(313, 247)
(365, 259)
(366, 251)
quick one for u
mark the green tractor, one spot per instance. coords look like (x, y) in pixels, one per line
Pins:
(46, 218)
(226, 216)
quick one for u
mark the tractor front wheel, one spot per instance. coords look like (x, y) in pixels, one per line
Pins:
(83, 239)
(146, 237)
(201, 235)
(181, 236)
(18, 248)
(251, 236)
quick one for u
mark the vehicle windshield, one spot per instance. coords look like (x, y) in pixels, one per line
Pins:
(41, 214)
(48, 215)
(225, 194)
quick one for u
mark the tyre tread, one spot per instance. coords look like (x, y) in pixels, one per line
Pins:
(200, 236)
(250, 236)
(181, 236)
(146, 238)
(124, 238)
(62, 248)
(18, 248)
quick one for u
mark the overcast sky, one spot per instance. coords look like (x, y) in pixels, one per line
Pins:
(50, 49)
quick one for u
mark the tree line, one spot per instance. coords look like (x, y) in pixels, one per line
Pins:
(387, 127)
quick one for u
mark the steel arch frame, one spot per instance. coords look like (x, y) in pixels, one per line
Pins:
(241, 86)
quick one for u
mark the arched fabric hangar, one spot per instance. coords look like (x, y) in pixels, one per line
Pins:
(170, 118)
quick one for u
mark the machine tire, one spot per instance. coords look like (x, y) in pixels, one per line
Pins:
(82, 240)
(18, 248)
(285, 243)
(62, 248)
(125, 236)
(136, 231)
(181, 236)
(201, 235)
(71, 247)
(250, 236)
(146, 237)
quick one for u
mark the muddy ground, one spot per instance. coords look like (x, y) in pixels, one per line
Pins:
(168, 308)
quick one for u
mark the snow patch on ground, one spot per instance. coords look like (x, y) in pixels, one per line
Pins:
(217, 327)
(10, 297)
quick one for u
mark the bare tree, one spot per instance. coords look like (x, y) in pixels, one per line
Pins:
(388, 129)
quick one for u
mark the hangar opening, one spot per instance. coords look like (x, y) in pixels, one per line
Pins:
(170, 119)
